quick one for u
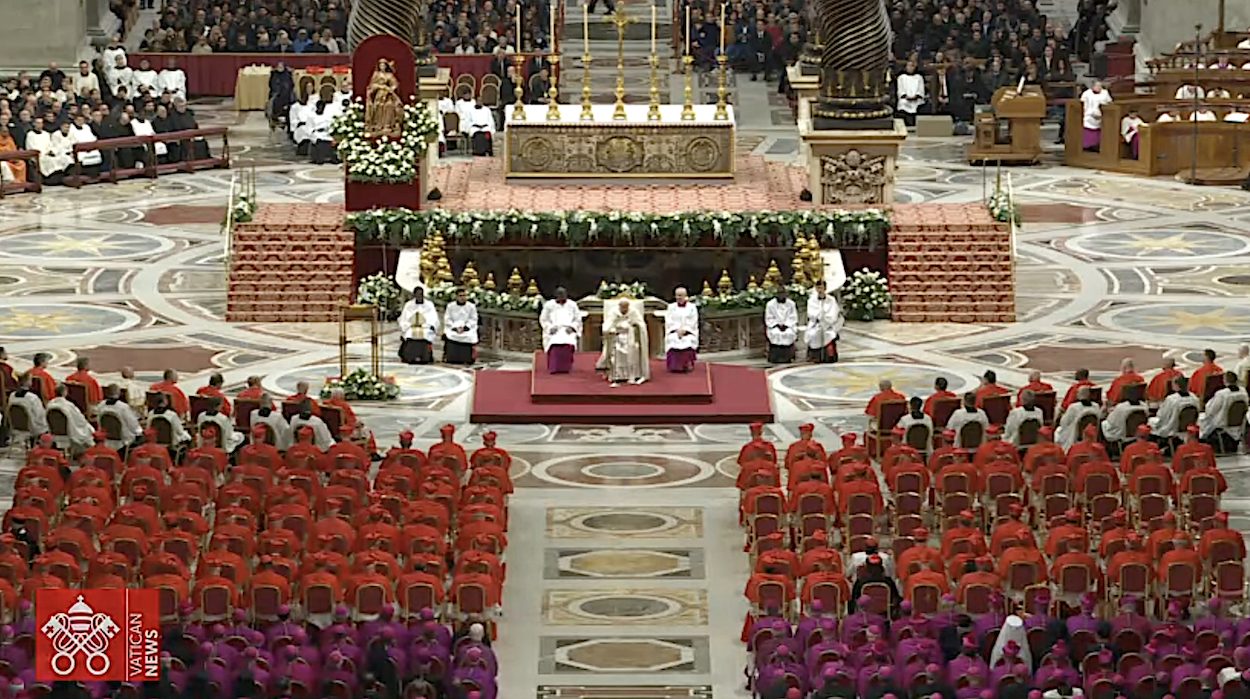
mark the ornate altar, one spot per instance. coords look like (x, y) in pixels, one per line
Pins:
(605, 147)
(1012, 133)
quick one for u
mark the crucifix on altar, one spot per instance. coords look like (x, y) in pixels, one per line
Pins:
(622, 139)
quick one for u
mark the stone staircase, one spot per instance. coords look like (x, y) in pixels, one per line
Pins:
(951, 264)
(290, 263)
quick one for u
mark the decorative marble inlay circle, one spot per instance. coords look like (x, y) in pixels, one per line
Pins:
(623, 522)
(38, 321)
(617, 563)
(623, 471)
(1155, 244)
(858, 381)
(1235, 279)
(631, 607)
(415, 382)
(624, 655)
(82, 246)
(1213, 321)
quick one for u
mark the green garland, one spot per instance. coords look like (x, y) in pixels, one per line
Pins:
(834, 229)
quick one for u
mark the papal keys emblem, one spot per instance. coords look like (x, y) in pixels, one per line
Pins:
(80, 633)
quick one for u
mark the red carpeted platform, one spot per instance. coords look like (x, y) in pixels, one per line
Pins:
(585, 385)
(738, 394)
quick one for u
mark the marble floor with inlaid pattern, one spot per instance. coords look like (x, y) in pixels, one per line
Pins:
(625, 566)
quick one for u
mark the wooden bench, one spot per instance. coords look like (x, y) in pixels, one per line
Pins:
(33, 183)
(151, 168)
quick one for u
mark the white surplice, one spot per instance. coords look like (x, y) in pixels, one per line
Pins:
(419, 321)
(84, 134)
(232, 439)
(1092, 103)
(1203, 115)
(481, 119)
(1188, 92)
(142, 127)
(1215, 417)
(131, 429)
(174, 80)
(781, 313)
(299, 119)
(147, 78)
(1017, 417)
(460, 322)
(80, 431)
(180, 434)
(50, 161)
(1115, 427)
(277, 425)
(681, 327)
(1067, 435)
(911, 92)
(464, 110)
(1129, 126)
(34, 410)
(824, 321)
(121, 77)
(561, 323)
(321, 433)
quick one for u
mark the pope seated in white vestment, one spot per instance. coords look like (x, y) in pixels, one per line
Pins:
(561, 322)
(625, 343)
(681, 333)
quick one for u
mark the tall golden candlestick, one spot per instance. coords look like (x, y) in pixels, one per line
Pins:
(723, 9)
(653, 29)
(722, 91)
(687, 107)
(588, 113)
(553, 107)
(653, 110)
(518, 109)
(585, 29)
(621, 20)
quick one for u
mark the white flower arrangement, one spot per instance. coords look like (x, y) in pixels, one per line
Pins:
(384, 160)
(611, 290)
(382, 291)
(362, 385)
(1003, 209)
(866, 295)
(486, 299)
(745, 298)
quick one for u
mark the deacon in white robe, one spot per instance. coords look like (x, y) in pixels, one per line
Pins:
(80, 432)
(1067, 434)
(445, 105)
(460, 330)
(173, 80)
(321, 149)
(1092, 101)
(180, 434)
(110, 55)
(418, 329)
(28, 399)
(1115, 427)
(625, 343)
(1163, 424)
(824, 325)
(561, 322)
(911, 93)
(681, 333)
(299, 121)
(1026, 411)
(1129, 130)
(321, 432)
(114, 405)
(481, 130)
(272, 419)
(120, 75)
(81, 133)
(968, 413)
(781, 326)
(230, 440)
(1213, 424)
(146, 77)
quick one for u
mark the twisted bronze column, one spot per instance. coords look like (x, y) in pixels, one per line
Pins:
(854, 65)
(405, 19)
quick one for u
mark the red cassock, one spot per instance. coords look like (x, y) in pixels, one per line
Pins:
(758, 449)
(1161, 384)
(989, 390)
(1174, 557)
(1010, 530)
(1211, 537)
(1082, 560)
(777, 562)
(207, 582)
(487, 583)
(1086, 450)
(155, 454)
(821, 559)
(1163, 537)
(996, 450)
(1140, 449)
(1095, 468)
(946, 455)
(918, 558)
(1196, 451)
(47, 384)
(805, 449)
(806, 470)
(925, 577)
(873, 409)
(268, 578)
(978, 578)
(1043, 452)
(322, 578)
(1062, 533)
(1113, 392)
(214, 392)
(1070, 396)
(971, 472)
(1123, 558)
(1022, 554)
(1151, 470)
(350, 451)
(178, 399)
(45, 455)
(406, 457)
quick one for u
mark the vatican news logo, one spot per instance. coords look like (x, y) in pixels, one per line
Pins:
(97, 635)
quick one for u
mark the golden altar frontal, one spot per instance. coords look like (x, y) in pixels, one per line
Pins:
(603, 147)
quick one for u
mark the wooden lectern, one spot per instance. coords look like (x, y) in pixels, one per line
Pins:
(1012, 133)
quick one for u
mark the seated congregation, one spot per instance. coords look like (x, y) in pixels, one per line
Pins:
(282, 567)
(943, 558)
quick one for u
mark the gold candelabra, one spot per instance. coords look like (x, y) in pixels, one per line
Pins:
(722, 91)
(588, 113)
(653, 111)
(553, 107)
(518, 109)
(687, 107)
(621, 20)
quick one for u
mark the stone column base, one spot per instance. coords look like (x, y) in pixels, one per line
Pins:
(852, 166)
(429, 90)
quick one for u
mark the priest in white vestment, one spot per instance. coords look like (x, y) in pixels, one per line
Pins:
(418, 329)
(230, 439)
(273, 419)
(146, 77)
(824, 324)
(1092, 101)
(781, 325)
(85, 81)
(464, 109)
(80, 434)
(29, 400)
(1129, 130)
(80, 132)
(62, 144)
(625, 343)
(1025, 412)
(299, 121)
(113, 405)
(460, 330)
(173, 80)
(681, 333)
(1214, 426)
(561, 322)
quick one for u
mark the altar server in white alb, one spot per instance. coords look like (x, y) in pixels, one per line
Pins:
(561, 322)
(681, 333)
(911, 93)
(460, 330)
(781, 325)
(481, 130)
(1092, 101)
(418, 328)
(146, 77)
(824, 324)
(1223, 423)
(173, 80)
(81, 133)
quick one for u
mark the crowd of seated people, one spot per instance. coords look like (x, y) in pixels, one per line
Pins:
(55, 111)
(268, 26)
(283, 567)
(941, 558)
